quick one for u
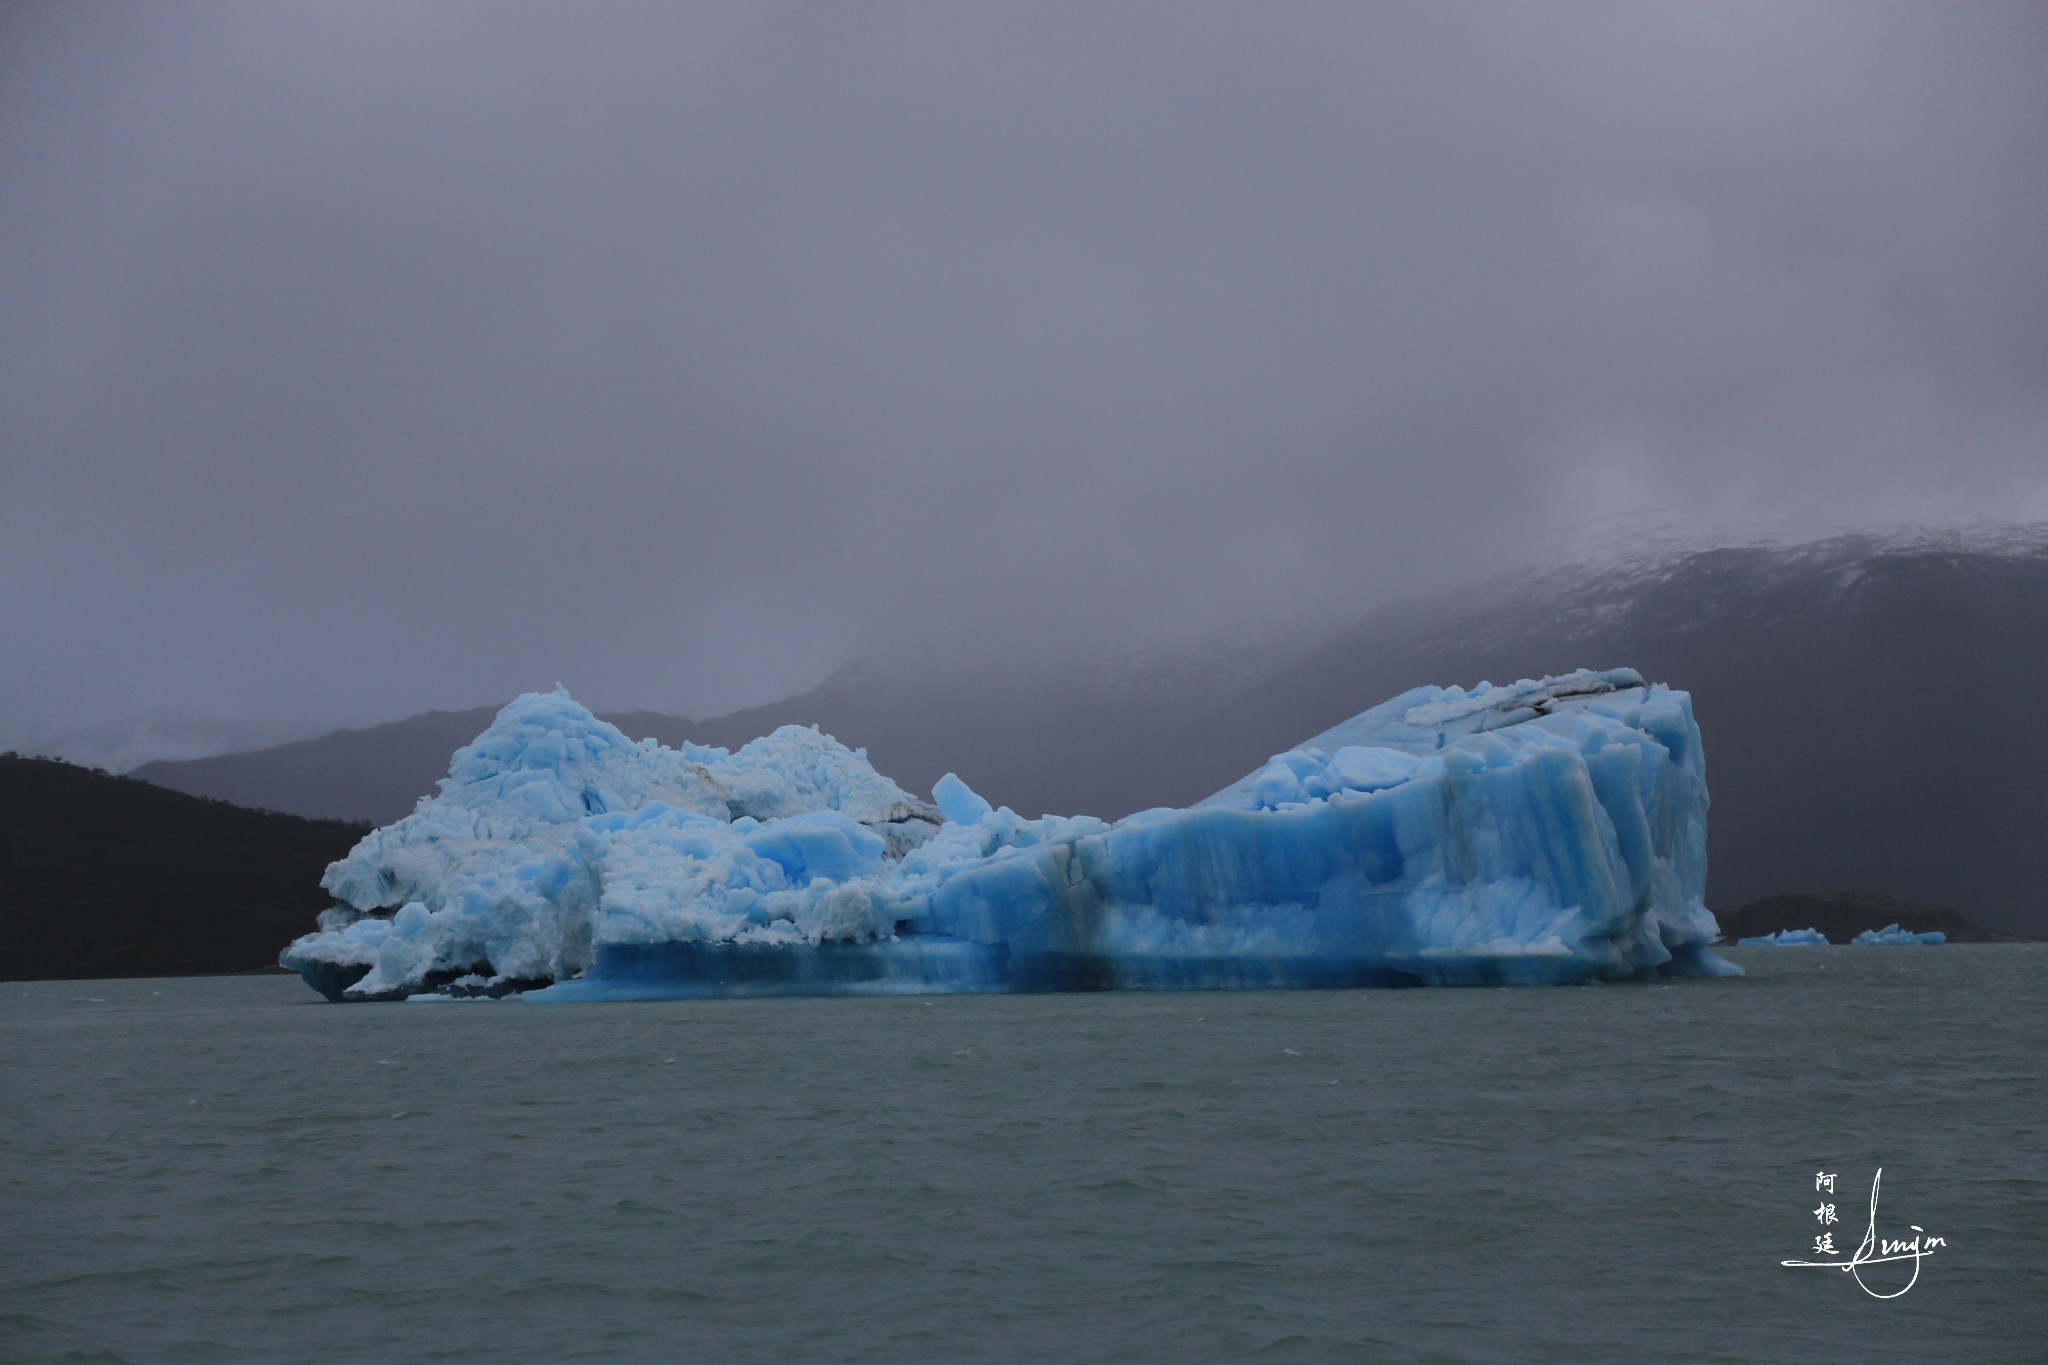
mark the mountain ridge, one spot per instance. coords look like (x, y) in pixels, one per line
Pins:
(1841, 685)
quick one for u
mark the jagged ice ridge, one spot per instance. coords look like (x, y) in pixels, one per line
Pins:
(1547, 832)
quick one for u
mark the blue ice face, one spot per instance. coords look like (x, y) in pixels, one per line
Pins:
(958, 803)
(1550, 831)
(818, 844)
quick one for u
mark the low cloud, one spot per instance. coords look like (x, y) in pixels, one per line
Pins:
(355, 360)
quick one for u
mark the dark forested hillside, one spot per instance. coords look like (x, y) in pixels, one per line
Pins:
(111, 876)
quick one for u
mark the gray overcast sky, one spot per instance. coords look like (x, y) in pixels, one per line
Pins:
(358, 358)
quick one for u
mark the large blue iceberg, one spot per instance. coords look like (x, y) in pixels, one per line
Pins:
(1552, 831)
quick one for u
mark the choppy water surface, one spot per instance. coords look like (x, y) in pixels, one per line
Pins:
(229, 1169)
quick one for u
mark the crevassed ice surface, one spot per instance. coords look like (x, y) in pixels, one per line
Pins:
(1551, 831)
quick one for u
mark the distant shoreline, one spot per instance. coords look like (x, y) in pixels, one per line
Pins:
(281, 972)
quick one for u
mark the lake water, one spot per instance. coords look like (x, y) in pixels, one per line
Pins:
(230, 1169)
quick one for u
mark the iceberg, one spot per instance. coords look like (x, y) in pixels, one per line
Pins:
(1892, 935)
(1786, 938)
(1548, 832)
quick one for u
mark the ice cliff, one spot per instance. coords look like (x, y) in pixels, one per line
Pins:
(1551, 831)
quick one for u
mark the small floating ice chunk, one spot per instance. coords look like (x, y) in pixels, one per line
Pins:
(1785, 938)
(1893, 936)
